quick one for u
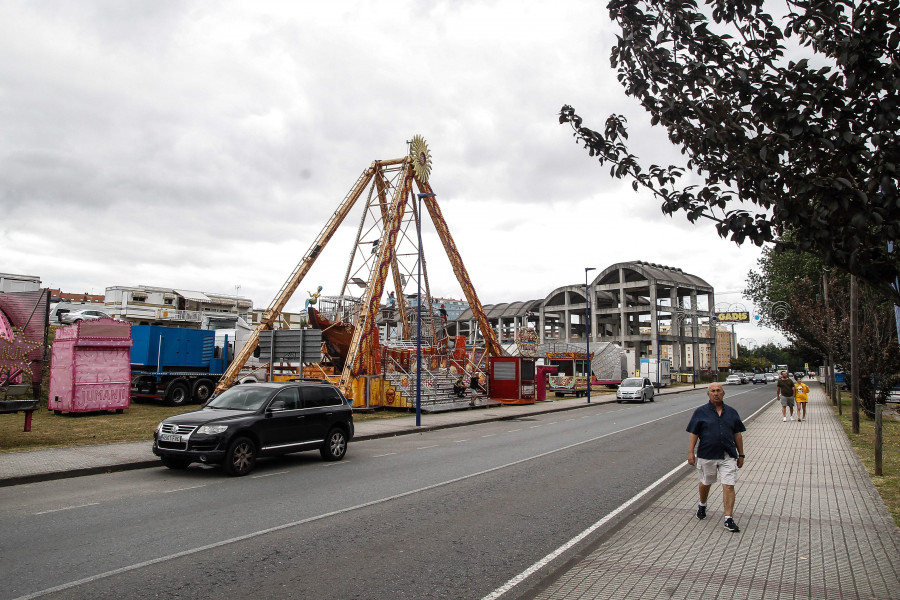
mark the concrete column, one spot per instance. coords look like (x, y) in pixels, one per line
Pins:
(695, 332)
(674, 330)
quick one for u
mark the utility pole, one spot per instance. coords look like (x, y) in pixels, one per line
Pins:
(829, 371)
(854, 353)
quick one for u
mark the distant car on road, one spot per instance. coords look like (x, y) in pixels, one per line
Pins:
(635, 388)
(733, 380)
(771, 377)
(759, 378)
(89, 314)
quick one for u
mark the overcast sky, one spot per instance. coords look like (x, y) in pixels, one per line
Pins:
(204, 145)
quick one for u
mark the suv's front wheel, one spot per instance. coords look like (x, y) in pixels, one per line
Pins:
(335, 446)
(241, 457)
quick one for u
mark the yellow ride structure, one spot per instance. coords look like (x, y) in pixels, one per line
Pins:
(391, 212)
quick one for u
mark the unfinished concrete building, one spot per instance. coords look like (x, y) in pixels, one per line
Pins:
(640, 306)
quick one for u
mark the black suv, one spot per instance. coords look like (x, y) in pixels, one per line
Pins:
(254, 420)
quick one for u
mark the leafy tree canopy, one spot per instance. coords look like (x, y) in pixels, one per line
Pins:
(802, 152)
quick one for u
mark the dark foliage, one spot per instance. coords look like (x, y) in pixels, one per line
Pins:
(807, 146)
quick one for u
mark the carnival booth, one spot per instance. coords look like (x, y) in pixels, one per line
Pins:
(91, 367)
(541, 381)
(512, 379)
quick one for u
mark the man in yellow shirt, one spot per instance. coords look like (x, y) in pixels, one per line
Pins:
(800, 396)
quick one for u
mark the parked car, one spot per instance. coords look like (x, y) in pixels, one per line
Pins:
(771, 377)
(733, 380)
(759, 378)
(254, 420)
(74, 316)
(635, 388)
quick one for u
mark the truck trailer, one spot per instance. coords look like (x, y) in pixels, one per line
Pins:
(178, 365)
(658, 370)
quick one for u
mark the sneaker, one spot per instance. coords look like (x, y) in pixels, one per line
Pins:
(731, 526)
(792, 418)
(701, 512)
(784, 419)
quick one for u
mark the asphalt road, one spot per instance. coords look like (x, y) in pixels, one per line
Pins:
(453, 513)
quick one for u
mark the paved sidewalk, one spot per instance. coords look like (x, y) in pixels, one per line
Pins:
(58, 463)
(812, 526)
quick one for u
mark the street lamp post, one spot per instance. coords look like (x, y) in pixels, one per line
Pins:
(587, 329)
(419, 312)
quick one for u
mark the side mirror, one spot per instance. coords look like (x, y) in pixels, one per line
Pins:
(276, 406)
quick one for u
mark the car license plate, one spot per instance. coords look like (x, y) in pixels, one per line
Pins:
(169, 437)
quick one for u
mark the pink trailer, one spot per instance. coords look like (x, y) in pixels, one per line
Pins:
(90, 367)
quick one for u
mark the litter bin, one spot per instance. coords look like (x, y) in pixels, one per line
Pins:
(91, 367)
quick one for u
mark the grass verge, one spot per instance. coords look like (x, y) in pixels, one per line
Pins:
(135, 424)
(887, 484)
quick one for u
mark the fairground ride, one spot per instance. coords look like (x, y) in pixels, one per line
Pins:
(387, 244)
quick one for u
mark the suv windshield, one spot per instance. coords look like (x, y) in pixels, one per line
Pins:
(634, 382)
(241, 398)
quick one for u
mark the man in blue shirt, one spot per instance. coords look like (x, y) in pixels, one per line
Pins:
(720, 451)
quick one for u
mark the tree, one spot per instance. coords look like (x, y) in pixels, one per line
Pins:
(801, 152)
(789, 290)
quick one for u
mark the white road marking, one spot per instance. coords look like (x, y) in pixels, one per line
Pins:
(383, 455)
(44, 512)
(427, 447)
(513, 430)
(459, 441)
(269, 474)
(193, 487)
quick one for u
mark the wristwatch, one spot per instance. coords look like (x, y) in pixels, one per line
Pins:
(741, 456)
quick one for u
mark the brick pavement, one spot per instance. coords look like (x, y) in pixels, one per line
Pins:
(812, 526)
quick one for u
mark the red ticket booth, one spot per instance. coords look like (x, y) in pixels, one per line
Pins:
(512, 379)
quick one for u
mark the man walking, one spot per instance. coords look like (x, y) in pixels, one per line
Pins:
(720, 451)
(785, 392)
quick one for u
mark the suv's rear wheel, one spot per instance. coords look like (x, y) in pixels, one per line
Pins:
(335, 446)
(241, 457)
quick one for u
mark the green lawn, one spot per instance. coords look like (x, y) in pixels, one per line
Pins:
(135, 424)
(888, 484)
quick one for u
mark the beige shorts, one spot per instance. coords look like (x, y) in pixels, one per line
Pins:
(726, 468)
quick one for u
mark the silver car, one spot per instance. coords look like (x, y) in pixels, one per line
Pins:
(635, 389)
(82, 315)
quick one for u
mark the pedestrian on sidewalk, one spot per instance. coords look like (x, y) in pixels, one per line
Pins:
(720, 452)
(785, 392)
(800, 395)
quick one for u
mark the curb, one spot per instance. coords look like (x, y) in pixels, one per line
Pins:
(145, 464)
